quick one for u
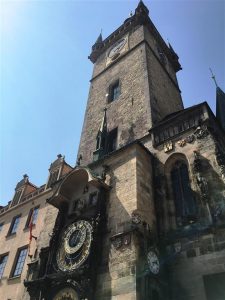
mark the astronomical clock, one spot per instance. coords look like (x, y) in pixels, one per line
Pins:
(75, 244)
(66, 270)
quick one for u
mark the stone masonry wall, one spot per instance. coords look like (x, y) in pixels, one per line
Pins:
(164, 94)
(117, 271)
(130, 112)
(200, 256)
(202, 251)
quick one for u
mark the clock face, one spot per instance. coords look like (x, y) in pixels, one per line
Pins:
(153, 262)
(66, 294)
(75, 246)
(115, 50)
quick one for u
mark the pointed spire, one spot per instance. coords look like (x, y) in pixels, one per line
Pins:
(96, 48)
(175, 58)
(220, 107)
(141, 8)
(99, 39)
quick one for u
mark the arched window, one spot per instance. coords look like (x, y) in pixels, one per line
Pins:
(184, 201)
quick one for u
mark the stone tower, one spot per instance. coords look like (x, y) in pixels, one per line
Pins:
(134, 78)
(142, 214)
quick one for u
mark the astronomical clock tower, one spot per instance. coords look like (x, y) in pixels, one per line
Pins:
(138, 178)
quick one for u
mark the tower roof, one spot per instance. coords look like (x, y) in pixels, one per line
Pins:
(220, 106)
(140, 17)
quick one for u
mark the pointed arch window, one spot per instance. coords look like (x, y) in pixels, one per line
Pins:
(183, 197)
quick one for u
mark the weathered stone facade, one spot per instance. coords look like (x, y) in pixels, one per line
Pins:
(145, 83)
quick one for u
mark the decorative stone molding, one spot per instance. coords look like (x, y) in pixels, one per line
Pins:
(201, 132)
(197, 162)
(189, 139)
(117, 242)
(136, 218)
(182, 143)
(121, 239)
(201, 181)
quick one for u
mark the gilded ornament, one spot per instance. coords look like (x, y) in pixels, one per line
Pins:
(168, 146)
(182, 143)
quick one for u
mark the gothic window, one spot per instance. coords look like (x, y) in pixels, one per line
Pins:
(3, 261)
(112, 140)
(14, 225)
(114, 91)
(19, 262)
(184, 202)
(32, 217)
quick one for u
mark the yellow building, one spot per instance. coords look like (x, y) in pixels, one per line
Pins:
(18, 242)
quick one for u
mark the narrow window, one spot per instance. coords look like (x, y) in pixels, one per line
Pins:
(3, 261)
(1, 226)
(114, 91)
(14, 225)
(19, 262)
(183, 198)
(112, 140)
(32, 217)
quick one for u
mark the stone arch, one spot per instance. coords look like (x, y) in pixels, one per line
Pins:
(75, 181)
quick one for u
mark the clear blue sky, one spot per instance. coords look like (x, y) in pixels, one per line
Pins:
(44, 74)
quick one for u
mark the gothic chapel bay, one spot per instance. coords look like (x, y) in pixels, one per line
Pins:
(142, 214)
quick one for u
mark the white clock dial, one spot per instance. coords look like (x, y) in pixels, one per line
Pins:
(153, 262)
(115, 50)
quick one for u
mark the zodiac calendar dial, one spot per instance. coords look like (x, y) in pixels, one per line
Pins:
(75, 246)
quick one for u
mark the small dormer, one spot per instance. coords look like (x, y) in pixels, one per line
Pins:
(23, 188)
(57, 169)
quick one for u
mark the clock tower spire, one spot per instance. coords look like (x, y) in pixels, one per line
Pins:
(134, 77)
